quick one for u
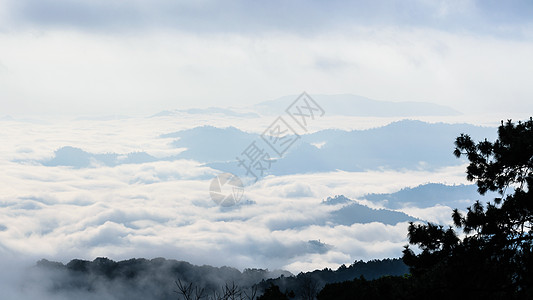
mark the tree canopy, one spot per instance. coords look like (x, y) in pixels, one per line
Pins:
(490, 251)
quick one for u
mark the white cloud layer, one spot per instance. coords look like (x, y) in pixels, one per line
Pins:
(51, 64)
(163, 208)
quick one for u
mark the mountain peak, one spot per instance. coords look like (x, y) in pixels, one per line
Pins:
(354, 105)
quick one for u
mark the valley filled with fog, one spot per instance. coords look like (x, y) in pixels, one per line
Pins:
(139, 187)
(123, 187)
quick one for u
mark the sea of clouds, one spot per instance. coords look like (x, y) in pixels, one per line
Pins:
(163, 208)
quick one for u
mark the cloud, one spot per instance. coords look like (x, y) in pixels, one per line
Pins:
(254, 17)
(141, 57)
(153, 71)
(162, 208)
(297, 190)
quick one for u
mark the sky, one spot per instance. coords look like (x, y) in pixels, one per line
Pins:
(117, 57)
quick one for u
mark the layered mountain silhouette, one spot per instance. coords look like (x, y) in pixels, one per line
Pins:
(353, 105)
(78, 158)
(352, 212)
(340, 210)
(407, 144)
(427, 195)
(228, 112)
(211, 144)
(341, 104)
(400, 145)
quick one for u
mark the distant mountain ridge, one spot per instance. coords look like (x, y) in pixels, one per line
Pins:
(405, 144)
(340, 104)
(354, 105)
(353, 212)
(427, 195)
(78, 158)
(207, 111)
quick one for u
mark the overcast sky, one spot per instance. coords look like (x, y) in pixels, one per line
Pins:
(139, 57)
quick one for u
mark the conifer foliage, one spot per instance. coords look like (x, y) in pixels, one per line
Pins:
(490, 251)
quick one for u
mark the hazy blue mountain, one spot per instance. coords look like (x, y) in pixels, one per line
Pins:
(353, 212)
(78, 158)
(404, 144)
(400, 145)
(353, 105)
(345, 212)
(8, 118)
(427, 195)
(342, 104)
(102, 118)
(211, 144)
(207, 111)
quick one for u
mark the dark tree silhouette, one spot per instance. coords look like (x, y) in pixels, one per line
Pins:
(387, 287)
(252, 293)
(494, 257)
(309, 287)
(231, 292)
(189, 291)
(273, 293)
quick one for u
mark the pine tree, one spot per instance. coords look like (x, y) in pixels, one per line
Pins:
(494, 257)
